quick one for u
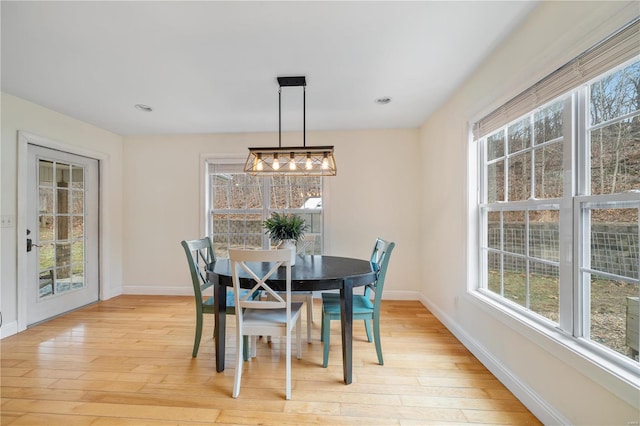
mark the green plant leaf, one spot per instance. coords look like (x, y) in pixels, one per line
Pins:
(283, 226)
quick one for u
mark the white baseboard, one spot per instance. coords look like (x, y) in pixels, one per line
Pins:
(110, 293)
(400, 295)
(184, 291)
(537, 405)
(8, 329)
(157, 291)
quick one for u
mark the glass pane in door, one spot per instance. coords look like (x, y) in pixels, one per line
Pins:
(61, 228)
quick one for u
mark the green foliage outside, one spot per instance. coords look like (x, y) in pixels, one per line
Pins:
(608, 303)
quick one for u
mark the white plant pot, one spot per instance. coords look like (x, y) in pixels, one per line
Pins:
(289, 245)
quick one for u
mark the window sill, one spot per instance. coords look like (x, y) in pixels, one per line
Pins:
(620, 377)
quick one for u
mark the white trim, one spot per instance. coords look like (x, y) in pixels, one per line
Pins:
(613, 368)
(188, 291)
(158, 291)
(531, 399)
(203, 160)
(400, 295)
(24, 139)
(471, 232)
(21, 229)
(566, 348)
(561, 345)
(8, 329)
(54, 305)
(202, 197)
(544, 411)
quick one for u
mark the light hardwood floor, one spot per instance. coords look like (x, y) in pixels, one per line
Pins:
(127, 361)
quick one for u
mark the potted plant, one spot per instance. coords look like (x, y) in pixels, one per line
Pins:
(286, 230)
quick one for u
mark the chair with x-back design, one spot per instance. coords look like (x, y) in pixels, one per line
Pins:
(275, 315)
(199, 256)
(363, 307)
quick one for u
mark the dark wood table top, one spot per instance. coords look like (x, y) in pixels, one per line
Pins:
(311, 272)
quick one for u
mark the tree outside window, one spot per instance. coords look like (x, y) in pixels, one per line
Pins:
(545, 178)
(238, 203)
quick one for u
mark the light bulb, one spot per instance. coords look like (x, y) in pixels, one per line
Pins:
(292, 161)
(309, 164)
(259, 165)
(325, 161)
(276, 162)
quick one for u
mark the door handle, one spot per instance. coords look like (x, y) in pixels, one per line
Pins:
(30, 243)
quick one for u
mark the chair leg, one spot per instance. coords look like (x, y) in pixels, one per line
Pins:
(299, 337)
(238, 376)
(376, 332)
(288, 365)
(196, 343)
(367, 327)
(254, 346)
(326, 331)
(245, 347)
(322, 328)
(309, 316)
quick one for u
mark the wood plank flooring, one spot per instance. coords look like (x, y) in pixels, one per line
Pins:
(127, 361)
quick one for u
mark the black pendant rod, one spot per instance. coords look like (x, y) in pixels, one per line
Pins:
(293, 82)
(280, 117)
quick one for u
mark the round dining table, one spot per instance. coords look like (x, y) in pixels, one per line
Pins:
(310, 273)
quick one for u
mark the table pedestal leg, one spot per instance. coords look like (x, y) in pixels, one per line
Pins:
(346, 322)
(220, 296)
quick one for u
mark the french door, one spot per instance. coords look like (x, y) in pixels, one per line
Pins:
(62, 232)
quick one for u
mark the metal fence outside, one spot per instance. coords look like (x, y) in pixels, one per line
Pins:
(614, 248)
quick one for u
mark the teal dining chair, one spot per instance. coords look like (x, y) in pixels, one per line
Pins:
(363, 307)
(199, 255)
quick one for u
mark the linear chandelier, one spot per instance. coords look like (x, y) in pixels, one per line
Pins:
(299, 161)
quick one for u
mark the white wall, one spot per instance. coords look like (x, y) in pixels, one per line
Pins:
(555, 382)
(20, 115)
(153, 202)
(374, 194)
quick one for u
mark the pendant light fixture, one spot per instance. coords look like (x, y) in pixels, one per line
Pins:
(300, 160)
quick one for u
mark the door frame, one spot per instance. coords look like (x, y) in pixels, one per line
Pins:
(25, 139)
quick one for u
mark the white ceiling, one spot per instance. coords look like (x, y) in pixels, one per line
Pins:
(211, 67)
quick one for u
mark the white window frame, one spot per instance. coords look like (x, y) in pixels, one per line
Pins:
(265, 210)
(605, 365)
(559, 204)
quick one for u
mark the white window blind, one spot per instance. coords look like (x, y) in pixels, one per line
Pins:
(617, 49)
(226, 167)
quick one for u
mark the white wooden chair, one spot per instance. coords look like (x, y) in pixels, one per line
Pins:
(305, 247)
(274, 316)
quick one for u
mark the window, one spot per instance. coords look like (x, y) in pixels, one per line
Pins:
(559, 207)
(608, 215)
(522, 210)
(238, 203)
